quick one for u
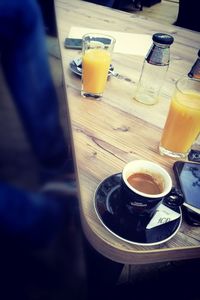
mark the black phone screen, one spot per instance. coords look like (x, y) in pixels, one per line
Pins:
(188, 178)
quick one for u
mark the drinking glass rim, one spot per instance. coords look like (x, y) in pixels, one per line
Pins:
(99, 35)
(159, 170)
(186, 91)
(183, 79)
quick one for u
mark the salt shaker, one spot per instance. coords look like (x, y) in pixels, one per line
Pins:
(154, 69)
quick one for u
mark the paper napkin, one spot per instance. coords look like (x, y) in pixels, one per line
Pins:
(162, 215)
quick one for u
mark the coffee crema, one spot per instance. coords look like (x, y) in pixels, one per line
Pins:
(145, 183)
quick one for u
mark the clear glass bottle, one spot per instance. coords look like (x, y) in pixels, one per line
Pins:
(154, 69)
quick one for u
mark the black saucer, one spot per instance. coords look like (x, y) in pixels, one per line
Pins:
(109, 211)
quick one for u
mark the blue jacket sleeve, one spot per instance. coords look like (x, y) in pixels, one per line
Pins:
(30, 220)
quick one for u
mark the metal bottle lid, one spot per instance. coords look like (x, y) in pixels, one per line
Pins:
(158, 54)
(163, 38)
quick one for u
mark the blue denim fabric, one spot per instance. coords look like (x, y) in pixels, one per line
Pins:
(33, 258)
(24, 59)
(25, 64)
(31, 220)
(33, 223)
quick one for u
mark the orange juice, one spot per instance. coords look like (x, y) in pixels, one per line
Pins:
(183, 122)
(95, 66)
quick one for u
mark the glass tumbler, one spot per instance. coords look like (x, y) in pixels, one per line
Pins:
(182, 126)
(96, 59)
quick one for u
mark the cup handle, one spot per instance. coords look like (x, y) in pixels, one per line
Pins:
(174, 198)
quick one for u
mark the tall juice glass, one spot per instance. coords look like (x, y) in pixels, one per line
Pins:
(96, 59)
(182, 126)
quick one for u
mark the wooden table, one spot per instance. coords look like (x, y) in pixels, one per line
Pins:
(107, 134)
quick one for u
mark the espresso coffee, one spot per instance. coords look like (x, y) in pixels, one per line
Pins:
(145, 183)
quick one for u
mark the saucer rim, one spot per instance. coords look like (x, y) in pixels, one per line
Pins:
(74, 71)
(123, 239)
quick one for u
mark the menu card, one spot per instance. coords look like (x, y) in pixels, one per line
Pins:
(126, 43)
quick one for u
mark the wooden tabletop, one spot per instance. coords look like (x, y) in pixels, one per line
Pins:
(109, 133)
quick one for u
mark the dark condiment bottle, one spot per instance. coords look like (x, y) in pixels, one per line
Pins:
(195, 70)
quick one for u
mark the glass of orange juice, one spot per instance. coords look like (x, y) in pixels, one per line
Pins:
(182, 126)
(96, 59)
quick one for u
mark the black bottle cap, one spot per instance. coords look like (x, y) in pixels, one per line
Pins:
(163, 38)
(198, 53)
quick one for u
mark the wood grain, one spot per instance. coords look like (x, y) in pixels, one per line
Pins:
(107, 134)
(165, 11)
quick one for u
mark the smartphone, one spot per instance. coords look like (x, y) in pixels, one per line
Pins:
(72, 43)
(187, 175)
